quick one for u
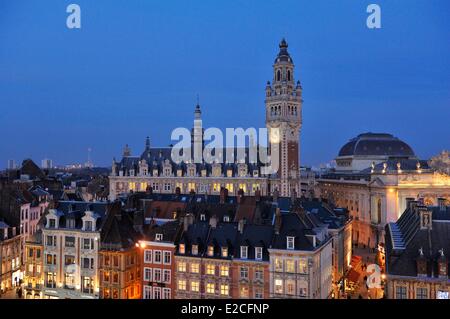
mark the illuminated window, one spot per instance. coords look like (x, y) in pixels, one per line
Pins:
(210, 288)
(182, 249)
(182, 266)
(290, 287)
(303, 266)
(230, 173)
(155, 172)
(229, 186)
(216, 187)
(132, 186)
(195, 268)
(278, 286)
(255, 187)
(210, 269)
(224, 289)
(278, 264)
(224, 252)
(195, 286)
(191, 187)
(180, 186)
(181, 284)
(210, 250)
(224, 271)
(194, 249)
(290, 266)
(179, 173)
(203, 172)
(243, 292)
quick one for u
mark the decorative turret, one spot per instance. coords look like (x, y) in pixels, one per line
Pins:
(126, 151)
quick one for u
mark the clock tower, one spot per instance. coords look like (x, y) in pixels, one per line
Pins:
(283, 121)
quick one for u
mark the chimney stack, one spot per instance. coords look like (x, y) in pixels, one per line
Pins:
(188, 220)
(213, 221)
(241, 225)
(277, 225)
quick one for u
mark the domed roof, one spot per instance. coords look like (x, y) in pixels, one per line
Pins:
(283, 55)
(376, 144)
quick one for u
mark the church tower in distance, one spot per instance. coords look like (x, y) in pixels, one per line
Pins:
(284, 111)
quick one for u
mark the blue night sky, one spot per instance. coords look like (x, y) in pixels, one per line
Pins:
(135, 68)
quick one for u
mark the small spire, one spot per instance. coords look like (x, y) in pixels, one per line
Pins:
(197, 112)
(147, 143)
(283, 44)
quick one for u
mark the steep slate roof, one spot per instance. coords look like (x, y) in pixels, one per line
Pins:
(293, 226)
(404, 239)
(254, 236)
(118, 229)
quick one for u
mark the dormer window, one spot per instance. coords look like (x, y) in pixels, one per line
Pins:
(155, 172)
(203, 172)
(210, 250)
(244, 252)
(255, 173)
(229, 173)
(179, 173)
(159, 237)
(225, 252)
(290, 242)
(258, 253)
(88, 225)
(226, 218)
(194, 249)
(182, 249)
(202, 217)
(52, 223)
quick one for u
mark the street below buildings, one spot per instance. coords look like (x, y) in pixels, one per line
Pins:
(9, 294)
(358, 283)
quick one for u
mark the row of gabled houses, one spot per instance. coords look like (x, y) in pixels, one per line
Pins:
(165, 246)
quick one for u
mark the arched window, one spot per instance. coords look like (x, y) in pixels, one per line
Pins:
(278, 75)
(289, 75)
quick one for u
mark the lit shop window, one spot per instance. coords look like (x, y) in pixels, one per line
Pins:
(191, 187)
(216, 187)
(255, 187)
(243, 187)
(230, 187)
(132, 186)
